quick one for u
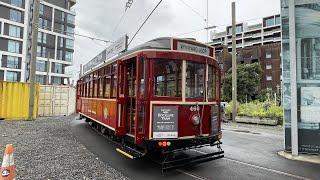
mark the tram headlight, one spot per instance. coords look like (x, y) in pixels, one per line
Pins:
(195, 120)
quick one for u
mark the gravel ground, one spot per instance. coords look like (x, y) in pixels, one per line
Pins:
(46, 149)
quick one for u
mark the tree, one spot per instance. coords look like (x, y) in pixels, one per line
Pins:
(248, 82)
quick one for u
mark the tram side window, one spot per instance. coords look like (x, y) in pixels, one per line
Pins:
(167, 78)
(107, 87)
(211, 82)
(95, 89)
(100, 93)
(88, 89)
(114, 86)
(91, 88)
(195, 79)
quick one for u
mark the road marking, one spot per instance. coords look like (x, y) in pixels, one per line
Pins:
(192, 175)
(261, 167)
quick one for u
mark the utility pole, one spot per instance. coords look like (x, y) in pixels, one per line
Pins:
(33, 60)
(48, 69)
(234, 64)
(207, 21)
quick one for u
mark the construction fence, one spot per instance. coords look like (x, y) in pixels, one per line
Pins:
(50, 100)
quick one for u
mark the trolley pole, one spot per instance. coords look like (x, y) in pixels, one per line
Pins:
(234, 64)
(33, 60)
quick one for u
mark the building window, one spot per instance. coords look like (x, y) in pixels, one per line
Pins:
(13, 46)
(42, 37)
(41, 66)
(70, 19)
(278, 20)
(17, 3)
(61, 44)
(268, 55)
(68, 56)
(58, 68)
(15, 15)
(269, 22)
(14, 31)
(12, 62)
(40, 79)
(59, 55)
(269, 78)
(41, 9)
(44, 24)
(269, 66)
(62, 16)
(12, 76)
(56, 80)
(39, 51)
(63, 29)
(69, 43)
(70, 30)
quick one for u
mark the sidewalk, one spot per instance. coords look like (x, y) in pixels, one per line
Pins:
(253, 128)
(46, 149)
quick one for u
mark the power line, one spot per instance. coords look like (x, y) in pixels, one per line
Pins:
(196, 12)
(73, 33)
(144, 22)
(128, 5)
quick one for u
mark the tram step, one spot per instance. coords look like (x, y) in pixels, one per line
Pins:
(129, 152)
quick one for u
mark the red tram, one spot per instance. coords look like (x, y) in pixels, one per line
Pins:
(162, 96)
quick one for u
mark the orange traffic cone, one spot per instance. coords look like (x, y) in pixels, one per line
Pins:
(8, 169)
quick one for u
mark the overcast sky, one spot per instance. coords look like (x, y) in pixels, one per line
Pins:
(99, 18)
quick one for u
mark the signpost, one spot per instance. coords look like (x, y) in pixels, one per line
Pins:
(117, 47)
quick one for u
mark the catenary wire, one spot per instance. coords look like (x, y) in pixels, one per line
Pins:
(144, 22)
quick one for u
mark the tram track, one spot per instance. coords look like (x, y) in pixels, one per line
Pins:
(261, 168)
(199, 177)
(195, 176)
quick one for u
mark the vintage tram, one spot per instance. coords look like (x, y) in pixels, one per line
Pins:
(162, 96)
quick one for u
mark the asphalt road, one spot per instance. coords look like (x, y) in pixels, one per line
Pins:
(248, 155)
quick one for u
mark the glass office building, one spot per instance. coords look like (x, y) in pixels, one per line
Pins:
(301, 74)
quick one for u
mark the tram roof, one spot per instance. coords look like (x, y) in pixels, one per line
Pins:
(161, 43)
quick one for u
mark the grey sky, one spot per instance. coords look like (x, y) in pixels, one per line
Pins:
(98, 18)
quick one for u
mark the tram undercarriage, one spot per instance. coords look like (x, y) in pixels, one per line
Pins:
(168, 159)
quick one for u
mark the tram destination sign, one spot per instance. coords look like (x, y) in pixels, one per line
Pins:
(115, 48)
(165, 122)
(181, 46)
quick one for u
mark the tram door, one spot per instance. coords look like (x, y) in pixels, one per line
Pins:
(130, 93)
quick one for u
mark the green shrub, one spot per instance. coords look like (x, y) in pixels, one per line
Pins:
(261, 110)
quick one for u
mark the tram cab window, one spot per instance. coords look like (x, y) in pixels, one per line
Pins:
(167, 78)
(211, 82)
(195, 79)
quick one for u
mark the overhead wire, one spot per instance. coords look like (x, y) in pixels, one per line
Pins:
(144, 22)
(122, 17)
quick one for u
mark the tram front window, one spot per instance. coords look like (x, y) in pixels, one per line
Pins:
(167, 77)
(195, 80)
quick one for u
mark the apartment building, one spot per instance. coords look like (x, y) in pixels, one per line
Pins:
(259, 42)
(268, 31)
(55, 40)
